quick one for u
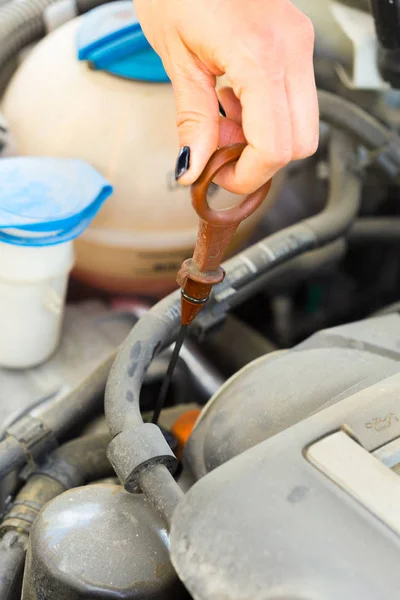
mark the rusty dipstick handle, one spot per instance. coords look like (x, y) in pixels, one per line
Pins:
(216, 229)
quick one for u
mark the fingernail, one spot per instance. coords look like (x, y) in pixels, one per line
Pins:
(221, 109)
(183, 162)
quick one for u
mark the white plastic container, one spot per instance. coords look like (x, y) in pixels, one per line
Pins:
(33, 284)
(44, 205)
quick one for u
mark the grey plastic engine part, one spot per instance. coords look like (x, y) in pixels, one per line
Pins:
(283, 388)
(99, 542)
(293, 519)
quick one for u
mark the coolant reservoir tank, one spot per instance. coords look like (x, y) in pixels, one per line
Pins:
(94, 89)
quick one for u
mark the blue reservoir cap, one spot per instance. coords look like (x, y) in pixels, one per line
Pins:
(111, 39)
(47, 201)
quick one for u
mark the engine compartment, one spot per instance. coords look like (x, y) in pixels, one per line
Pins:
(273, 473)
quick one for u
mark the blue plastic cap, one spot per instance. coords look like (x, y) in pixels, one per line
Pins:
(56, 197)
(111, 39)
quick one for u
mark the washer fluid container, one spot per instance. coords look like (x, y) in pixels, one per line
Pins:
(95, 90)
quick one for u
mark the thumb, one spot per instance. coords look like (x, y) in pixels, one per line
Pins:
(197, 120)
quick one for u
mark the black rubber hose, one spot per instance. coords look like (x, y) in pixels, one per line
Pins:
(80, 405)
(22, 23)
(162, 491)
(318, 231)
(12, 456)
(297, 269)
(71, 465)
(384, 230)
(344, 194)
(12, 559)
(78, 461)
(383, 143)
(73, 410)
(158, 328)
(386, 15)
(160, 325)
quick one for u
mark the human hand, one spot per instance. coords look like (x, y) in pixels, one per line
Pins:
(265, 49)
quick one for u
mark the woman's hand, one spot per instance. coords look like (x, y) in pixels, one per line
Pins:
(265, 48)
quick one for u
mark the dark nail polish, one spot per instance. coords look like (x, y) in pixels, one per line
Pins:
(183, 162)
(221, 109)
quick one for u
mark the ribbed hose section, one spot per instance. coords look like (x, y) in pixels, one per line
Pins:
(21, 23)
(363, 127)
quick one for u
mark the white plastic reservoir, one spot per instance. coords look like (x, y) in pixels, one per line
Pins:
(95, 90)
(44, 205)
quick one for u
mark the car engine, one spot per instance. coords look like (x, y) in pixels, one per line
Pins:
(272, 471)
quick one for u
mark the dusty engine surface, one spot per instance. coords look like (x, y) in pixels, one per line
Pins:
(319, 497)
(317, 477)
(273, 470)
(265, 489)
(86, 543)
(283, 388)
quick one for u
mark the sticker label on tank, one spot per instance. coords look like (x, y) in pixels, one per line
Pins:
(153, 263)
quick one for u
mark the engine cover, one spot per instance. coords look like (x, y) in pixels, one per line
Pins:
(312, 511)
(280, 389)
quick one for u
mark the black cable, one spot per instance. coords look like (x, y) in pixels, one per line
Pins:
(168, 377)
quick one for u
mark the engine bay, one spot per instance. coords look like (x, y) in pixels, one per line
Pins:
(272, 471)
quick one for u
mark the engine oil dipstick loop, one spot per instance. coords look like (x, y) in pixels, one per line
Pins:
(216, 229)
